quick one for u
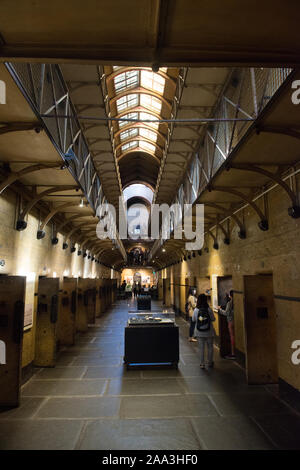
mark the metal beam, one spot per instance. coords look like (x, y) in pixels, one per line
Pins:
(6, 127)
(269, 174)
(41, 233)
(25, 171)
(21, 224)
(263, 223)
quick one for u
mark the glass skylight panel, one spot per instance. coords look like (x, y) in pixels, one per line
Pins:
(153, 81)
(127, 101)
(147, 146)
(150, 102)
(138, 189)
(129, 133)
(134, 115)
(126, 80)
(129, 145)
(148, 134)
(147, 116)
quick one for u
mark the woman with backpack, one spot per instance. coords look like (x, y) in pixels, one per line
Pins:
(190, 306)
(203, 317)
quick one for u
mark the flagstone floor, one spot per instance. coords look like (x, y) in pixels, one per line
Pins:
(90, 401)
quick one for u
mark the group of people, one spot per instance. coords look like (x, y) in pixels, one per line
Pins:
(137, 289)
(201, 324)
(137, 257)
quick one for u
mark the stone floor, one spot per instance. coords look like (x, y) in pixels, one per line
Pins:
(90, 401)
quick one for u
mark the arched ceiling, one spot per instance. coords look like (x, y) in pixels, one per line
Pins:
(143, 97)
(138, 167)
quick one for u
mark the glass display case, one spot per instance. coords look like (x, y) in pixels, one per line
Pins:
(151, 318)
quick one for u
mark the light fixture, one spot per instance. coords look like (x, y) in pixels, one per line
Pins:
(40, 234)
(81, 203)
(21, 225)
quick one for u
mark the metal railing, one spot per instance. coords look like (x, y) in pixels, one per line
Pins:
(46, 91)
(247, 93)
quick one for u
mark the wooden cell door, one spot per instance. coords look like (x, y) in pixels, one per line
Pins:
(67, 329)
(46, 322)
(260, 327)
(12, 295)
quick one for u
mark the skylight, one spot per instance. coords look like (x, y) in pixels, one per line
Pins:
(147, 116)
(137, 189)
(129, 133)
(126, 80)
(134, 115)
(146, 146)
(137, 94)
(150, 102)
(127, 101)
(148, 134)
(129, 145)
(152, 81)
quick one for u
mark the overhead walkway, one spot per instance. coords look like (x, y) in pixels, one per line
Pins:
(90, 401)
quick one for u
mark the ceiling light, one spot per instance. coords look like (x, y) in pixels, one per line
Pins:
(81, 203)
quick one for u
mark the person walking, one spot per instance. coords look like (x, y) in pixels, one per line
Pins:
(191, 304)
(229, 313)
(203, 317)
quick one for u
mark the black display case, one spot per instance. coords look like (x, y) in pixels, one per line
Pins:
(151, 340)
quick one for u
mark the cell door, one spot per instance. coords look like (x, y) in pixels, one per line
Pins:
(98, 298)
(260, 326)
(12, 295)
(46, 322)
(167, 292)
(67, 328)
(177, 296)
(92, 301)
(81, 320)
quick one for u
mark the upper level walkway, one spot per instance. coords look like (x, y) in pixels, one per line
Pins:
(90, 401)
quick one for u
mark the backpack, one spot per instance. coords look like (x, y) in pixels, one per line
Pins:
(203, 319)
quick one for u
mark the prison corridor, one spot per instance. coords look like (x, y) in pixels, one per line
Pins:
(91, 401)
